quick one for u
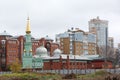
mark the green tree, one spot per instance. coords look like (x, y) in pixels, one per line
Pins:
(15, 66)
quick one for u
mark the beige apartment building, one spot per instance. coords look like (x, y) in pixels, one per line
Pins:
(77, 42)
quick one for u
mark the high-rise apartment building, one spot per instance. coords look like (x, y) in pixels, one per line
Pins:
(77, 42)
(100, 28)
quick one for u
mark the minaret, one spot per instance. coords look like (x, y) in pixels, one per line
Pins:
(27, 55)
(28, 43)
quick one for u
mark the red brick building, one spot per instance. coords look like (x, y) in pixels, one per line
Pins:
(12, 47)
(70, 63)
(61, 61)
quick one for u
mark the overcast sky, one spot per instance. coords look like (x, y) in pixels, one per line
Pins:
(50, 17)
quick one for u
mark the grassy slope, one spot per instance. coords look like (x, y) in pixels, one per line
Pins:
(30, 76)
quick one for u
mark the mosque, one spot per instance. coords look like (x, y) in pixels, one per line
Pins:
(43, 60)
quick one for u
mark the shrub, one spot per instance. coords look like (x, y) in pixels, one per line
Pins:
(15, 66)
(70, 76)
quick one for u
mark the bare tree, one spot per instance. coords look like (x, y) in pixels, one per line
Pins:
(106, 52)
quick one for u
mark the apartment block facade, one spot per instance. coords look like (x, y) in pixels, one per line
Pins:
(77, 42)
(100, 28)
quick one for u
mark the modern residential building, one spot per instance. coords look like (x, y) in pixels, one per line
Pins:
(111, 42)
(77, 42)
(100, 28)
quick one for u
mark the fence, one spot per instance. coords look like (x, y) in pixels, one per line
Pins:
(75, 71)
(2, 72)
(78, 71)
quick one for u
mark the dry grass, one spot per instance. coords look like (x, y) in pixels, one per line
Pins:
(99, 75)
(30, 76)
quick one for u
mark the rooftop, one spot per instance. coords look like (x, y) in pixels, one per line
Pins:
(5, 34)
